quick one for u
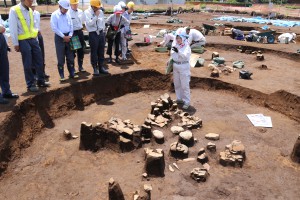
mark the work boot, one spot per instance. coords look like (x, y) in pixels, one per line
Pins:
(3, 101)
(96, 71)
(80, 69)
(10, 96)
(43, 84)
(102, 70)
(33, 88)
(110, 59)
(117, 60)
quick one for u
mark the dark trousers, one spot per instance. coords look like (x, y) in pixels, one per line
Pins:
(116, 43)
(32, 57)
(64, 52)
(97, 44)
(80, 52)
(4, 67)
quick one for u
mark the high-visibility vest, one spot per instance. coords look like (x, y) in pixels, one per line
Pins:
(29, 32)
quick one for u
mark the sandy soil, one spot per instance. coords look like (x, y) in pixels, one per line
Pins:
(52, 168)
(44, 166)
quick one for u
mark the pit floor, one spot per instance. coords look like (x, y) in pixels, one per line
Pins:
(52, 168)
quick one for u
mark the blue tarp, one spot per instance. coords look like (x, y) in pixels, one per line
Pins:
(258, 20)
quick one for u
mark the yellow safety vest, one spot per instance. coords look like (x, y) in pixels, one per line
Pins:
(28, 32)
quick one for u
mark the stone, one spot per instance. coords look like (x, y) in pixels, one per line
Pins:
(167, 115)
(295, 156)
(68, 135)
(171, 168)
(153, 105)
(160, 119)
(155, 162)
(190, 122)
(159, 136)
(145, 175)
(186, 138)
(211, 147)
(176, 129)
(201, 151)
(215, 74)
(214, 55)
(212, 136)
(114, 191)
(264, 67)
(234, 154)
(126, 145)
(199, 174)
(248, 51)
(160, 107)
(202, 158)
(156, 111)
(188, 160)
(174, 107)
(151, 117)
(176, 166)
(147, 187)
(206, 166)
(179, 150)
(146, 131)
(260, 57)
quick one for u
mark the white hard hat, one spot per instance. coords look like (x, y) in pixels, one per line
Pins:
(64, 3)
(118, 9)
(34, 3)
(122, 4)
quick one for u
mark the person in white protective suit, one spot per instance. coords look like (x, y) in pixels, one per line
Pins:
(180, 54)
(196, 38)
(290, 36)
(169, 38)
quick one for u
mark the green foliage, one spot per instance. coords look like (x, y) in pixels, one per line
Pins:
(203, 6)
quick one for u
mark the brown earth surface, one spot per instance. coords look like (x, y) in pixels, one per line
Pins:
(44, 166)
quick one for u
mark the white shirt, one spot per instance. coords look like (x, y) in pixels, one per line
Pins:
(167, 38)
(77, 17)
(61, 23)
(92, 22)
(284, 35)
(37, 19)
(15, 26)
(1, 25)
(196, 36)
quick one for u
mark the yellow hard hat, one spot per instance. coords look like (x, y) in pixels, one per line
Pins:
(95, 3)
(74, 1)
(130, 4)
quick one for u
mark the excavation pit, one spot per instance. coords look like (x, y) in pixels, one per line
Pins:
(51, 167)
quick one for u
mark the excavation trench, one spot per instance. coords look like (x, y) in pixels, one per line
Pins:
(29, 117)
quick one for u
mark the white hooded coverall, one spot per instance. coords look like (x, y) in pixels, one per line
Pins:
(196, 39)
(181, 71)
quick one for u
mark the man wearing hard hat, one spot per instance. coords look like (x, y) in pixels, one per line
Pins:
(62, 26)
(24, 38)
(126, 30)
(78, 19)
(37, 21)
(4, 69)
(95, 25)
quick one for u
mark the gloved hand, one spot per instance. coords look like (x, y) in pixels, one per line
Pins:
(175, 49)
(122, 26)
